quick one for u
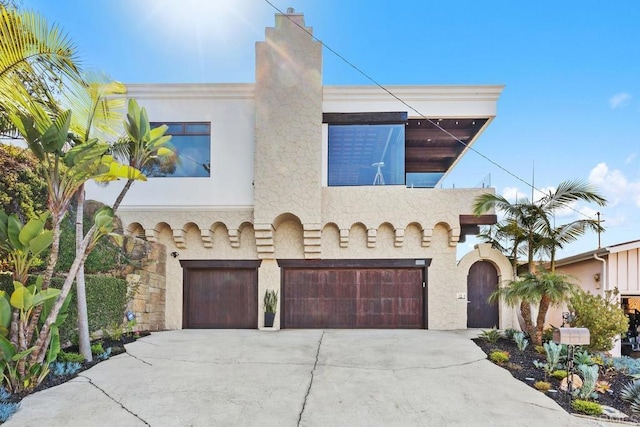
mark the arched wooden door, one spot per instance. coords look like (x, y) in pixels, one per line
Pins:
(481, 282)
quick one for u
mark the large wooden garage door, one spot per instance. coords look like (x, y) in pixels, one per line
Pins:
(353, 298)
(223, 296)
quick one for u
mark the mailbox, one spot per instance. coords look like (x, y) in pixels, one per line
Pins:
(571, 336)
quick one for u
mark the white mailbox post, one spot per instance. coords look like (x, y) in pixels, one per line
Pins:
(571, 337)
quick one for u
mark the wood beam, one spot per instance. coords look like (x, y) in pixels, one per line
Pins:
(478, 219)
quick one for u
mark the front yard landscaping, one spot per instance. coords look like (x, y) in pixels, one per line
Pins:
(601, 381)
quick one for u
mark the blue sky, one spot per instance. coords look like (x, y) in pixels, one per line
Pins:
(570, 108)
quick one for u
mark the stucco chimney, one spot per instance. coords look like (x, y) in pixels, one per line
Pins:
(288, 123)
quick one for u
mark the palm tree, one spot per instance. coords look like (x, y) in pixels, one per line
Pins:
(97, 106)
(34, 59)
(557, 237)
(542, 288)
(531, 223)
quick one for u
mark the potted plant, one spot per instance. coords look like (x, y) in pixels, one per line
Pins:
(270, 305)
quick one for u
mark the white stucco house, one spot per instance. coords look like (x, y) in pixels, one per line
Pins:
(327, 194)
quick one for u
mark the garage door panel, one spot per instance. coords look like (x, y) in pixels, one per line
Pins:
(220, 298)
(352, 298)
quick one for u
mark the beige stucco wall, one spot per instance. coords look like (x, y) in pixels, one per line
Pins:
(288, 123)
(225, 234)
(397, 229)
(580, 273)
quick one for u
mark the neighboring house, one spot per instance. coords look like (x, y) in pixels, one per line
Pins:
(616, 266)
(324, 193)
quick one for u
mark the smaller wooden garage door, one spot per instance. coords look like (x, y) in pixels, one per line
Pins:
(353, 298)
(219, 295)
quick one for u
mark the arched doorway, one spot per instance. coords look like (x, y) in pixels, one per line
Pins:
(481, 282)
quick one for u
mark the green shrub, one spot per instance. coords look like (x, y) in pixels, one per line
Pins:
(540, 349)
(589, 381)
(509, 333)
(559, 374)
(499, 357)
(6, 282)
(552, 351)
(520, 340)
(601, 315)
(97, 348)
(586, 407)
(542, 386)
(491, 335)
(631, 394)
(583, 358)
(106, 302)
(70, 357)
(22, 190)
(625, 365)
(105, 257)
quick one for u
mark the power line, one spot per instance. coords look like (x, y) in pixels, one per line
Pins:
(409, 106)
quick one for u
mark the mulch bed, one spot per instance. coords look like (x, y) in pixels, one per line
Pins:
(521, 367)
(117, 347)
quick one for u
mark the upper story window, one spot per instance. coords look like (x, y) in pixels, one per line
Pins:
(391, 149)
(192, 142)
(366, 154)
(366, 148)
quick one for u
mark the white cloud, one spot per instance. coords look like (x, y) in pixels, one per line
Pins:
(619, 100)
(630, 158)
(616, 187)
(512, 194)
(617, 219)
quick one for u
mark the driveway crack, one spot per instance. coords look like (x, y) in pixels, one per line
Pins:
(114, 400)
(138, 359)
(306, 396)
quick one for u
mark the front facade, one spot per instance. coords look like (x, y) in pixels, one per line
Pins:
(324, 193)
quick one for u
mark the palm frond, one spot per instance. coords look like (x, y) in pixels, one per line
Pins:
(98, 104)
(569, 192)
(34, 57)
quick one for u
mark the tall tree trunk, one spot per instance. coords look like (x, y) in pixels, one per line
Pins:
(84, 342)
(45, 333)
(543, 307)
(56, 217)
(525, 311)
(123, 193)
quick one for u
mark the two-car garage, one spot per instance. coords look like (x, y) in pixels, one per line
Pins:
(315, 294)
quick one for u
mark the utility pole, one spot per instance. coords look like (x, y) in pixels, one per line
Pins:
(599, 221)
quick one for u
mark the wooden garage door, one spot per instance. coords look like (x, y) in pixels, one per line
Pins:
(353, 298)
(220, 298)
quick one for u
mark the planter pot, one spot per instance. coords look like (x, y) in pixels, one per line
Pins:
(268, 319)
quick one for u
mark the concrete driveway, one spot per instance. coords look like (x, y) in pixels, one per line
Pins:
(296, 377)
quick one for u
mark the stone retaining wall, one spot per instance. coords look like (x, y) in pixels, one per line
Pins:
(147, 283)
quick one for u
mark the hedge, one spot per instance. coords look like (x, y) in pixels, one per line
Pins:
(104, 258)
(106, 302)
